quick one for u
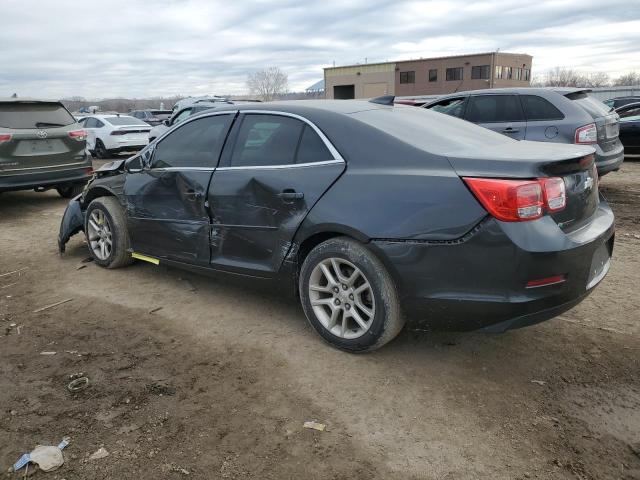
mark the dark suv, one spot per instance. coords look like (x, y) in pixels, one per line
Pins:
(152, 117)
(41, 147)
(560, 115)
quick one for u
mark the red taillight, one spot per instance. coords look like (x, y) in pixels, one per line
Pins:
(5, 137)
(78, 135)
(555, 195)
(519, 200)
(544, 282)
(509, 200)
(587, 134)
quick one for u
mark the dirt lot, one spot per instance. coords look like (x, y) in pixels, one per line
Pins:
(218, 382)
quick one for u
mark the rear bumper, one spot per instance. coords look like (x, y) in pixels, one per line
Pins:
(610, 160)
(479, 282)
(46, 179)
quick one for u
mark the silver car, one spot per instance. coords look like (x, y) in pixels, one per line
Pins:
(560, 115)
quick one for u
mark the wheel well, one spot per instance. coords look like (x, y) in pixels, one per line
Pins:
(314, 240)
(96, 193)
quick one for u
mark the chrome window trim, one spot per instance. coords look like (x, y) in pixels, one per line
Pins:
(323, 137)
(51, 167)
(338, 159)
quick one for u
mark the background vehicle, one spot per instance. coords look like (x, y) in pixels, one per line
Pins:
(363, 210)
(180, 116)
(152, 117)
(620, 101)
(560, 115)
(187, 102)
(41, 147)
(111, 134)
(630, 129)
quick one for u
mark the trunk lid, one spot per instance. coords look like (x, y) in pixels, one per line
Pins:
(575, 164)
(38, 137)
(606, 119)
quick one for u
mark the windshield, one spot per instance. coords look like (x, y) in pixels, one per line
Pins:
(34, 115)
(124, 120)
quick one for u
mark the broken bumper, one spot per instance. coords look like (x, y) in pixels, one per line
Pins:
(72, 222)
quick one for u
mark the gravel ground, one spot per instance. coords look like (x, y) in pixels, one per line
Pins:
(205, 378)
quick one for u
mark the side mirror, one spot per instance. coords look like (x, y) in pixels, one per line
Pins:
(134, 164)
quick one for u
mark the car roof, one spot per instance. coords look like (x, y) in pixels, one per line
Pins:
(28, 99)
(512, 90)
(294, 106)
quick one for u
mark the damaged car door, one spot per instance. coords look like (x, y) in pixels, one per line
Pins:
(274, 168)
(166, 200)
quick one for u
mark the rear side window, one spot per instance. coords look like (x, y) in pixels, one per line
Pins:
(538, 108)
(194, 144)
(591, 105)
(34, 115)
(312, 148)
(451, 106)
(265, 140)
(494, 108)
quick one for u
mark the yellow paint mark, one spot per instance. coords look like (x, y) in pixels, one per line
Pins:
(139, 256)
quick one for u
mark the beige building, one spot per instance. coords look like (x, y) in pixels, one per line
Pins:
(429, 76)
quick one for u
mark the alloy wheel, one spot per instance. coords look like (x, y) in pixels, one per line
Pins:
(342, 298)
(100, 234)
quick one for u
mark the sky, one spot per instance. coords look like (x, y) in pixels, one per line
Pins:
(148, 48)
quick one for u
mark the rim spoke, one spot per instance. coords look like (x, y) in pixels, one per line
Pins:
(319, 288)
(353, 277)
(336, 268)
(361, 288)
(367, 311)
(343, 328)
(322, 301)
(356, 316)
(93, 224)
(328, 274)
(335, 314)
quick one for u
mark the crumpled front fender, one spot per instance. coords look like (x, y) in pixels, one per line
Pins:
(72, 222)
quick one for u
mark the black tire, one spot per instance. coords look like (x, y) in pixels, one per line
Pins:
(100, 150)
(70, 191)
(386, 321)
(119, 256)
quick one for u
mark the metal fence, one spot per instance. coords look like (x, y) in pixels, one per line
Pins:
(605, 93)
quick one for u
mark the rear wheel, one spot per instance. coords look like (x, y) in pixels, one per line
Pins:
(100, 150)
(70, 191)
(106, 232)
(349, 297)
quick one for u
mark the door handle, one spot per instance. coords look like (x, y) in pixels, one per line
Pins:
(510, 130)
(193, 195)
(289, 195)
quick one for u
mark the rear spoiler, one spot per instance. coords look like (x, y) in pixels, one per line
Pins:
(383, 100)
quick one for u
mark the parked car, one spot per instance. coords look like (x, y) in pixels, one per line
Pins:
(621, 101)
(41, 147)
(152, 117)
(559, 115)
(181, 115)
(187, 102)
(372, 214)
(108, 135)
(630, 129)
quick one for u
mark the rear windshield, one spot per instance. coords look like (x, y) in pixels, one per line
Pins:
(434, 132)
(34, 115)
(591, 105)
(160, 112)
(124, 120)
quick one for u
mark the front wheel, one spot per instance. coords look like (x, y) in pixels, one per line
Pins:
(100, 150)
(349, 297)
(106, 232)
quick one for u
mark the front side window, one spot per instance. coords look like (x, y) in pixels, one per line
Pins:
(454, 73)
(494, 108)
(537, 108)
(407, 77)
(266, 140)
(194, 144)
(480, 72)
(451, 106)
(433, 75)
(182, 115)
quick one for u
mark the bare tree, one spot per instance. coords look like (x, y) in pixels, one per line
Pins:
(268, 83)
(630, 79)
(597, 79)
(563, 77)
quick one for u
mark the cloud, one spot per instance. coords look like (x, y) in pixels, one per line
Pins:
(140, 49)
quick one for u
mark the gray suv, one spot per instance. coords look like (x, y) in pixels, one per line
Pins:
(561, 115)
(42, 147)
